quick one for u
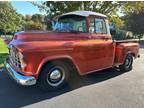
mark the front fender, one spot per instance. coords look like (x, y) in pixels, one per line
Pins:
(52, 58)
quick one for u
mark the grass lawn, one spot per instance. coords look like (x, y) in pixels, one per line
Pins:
(3, 52)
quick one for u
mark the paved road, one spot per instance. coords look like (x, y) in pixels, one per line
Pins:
(106, 89)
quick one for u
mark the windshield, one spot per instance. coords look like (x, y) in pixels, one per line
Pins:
(70, 23)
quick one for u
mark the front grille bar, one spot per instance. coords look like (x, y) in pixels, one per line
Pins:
(14, 58)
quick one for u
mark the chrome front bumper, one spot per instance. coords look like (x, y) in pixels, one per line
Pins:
(20, 79)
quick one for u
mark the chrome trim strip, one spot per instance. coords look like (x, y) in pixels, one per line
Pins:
(20, 79)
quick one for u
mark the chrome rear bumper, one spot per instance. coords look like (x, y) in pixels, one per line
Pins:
(20, 79)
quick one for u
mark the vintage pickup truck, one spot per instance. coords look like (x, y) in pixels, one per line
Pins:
(79, 42)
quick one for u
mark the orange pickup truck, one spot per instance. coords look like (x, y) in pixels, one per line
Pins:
(79, 42)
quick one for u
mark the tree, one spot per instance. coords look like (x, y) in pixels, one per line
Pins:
(34, 22)
(28, 17)
(117, 21)
(54, 8)
(136, 23)
(130, 7)
(134, 17)
(10, 20)
(38, 18)
(30, 25)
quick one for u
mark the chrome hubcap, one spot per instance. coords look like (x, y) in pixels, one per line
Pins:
(127, 62)
(56, 76)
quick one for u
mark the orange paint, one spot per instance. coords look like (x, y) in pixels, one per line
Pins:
(89, 52)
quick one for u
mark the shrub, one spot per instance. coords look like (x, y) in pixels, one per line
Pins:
(30, 25)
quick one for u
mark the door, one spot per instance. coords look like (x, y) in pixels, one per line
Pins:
(100, 53)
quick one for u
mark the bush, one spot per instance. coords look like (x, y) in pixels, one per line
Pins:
(33, 26)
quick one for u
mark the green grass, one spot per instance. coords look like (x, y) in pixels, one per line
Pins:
(3, 52)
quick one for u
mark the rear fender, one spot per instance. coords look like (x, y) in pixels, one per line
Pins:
(128, 52)
(121, 53)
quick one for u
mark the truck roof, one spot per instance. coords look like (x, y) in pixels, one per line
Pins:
(82, 13)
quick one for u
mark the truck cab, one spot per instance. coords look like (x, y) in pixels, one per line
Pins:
(79, 42)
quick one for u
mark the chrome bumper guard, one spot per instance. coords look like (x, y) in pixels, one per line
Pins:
(20, 79)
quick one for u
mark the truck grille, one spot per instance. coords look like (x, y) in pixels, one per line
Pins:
(14, 58)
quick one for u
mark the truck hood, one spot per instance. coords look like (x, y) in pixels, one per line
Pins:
(43, 36)
(44, 40)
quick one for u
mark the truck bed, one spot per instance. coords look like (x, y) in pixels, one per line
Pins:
(127, 41)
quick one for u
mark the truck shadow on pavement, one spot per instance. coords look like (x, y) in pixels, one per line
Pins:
(13, 95)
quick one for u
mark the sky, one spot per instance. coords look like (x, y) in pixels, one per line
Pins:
(24, 7)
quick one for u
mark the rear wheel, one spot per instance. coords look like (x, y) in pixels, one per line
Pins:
(127, 65)
(53, 76)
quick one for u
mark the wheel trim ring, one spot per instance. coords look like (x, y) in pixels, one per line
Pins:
(60, 80)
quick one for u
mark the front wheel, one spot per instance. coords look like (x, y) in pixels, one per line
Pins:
(127, 65)
(53, 76)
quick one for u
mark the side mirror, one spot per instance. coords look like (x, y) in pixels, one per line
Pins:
(113, 31)
(112, 28)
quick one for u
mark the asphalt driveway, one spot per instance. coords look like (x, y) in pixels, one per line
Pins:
(106, 89)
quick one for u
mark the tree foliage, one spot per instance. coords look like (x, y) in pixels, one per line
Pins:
(38, 18)
(54, 8)
(30, 25)
(136, 23)
(134, 17)
(28, 17)
(34, 22)
(110, 8)
(132, 7)
(10, 20)
(117, 21)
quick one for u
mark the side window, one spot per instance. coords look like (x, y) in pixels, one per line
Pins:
(100, 26)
